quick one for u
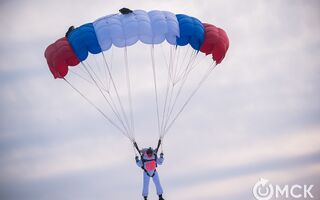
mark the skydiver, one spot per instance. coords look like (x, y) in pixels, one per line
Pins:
(149, 161)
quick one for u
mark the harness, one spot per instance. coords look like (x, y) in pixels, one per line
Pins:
(144, 161)
(151, 160)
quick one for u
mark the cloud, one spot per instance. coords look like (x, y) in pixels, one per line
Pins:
(242, 186)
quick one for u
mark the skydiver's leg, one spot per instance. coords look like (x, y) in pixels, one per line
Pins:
(156, 181)
(146, 180)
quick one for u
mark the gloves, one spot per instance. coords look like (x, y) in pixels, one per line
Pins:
(161, 155)
(137, 158)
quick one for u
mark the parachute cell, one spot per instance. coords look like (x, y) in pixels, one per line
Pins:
(84, 40)
(59, 56)
(216, 42)
(191, 31)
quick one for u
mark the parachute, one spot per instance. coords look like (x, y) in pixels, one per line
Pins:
(104, 60)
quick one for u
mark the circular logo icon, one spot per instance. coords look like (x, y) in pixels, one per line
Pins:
(262, 190)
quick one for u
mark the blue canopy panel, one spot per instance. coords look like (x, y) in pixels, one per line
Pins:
(191, 31)
(83, 40)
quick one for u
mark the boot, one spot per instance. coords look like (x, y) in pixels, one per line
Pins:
(160, 197)
(145, 198)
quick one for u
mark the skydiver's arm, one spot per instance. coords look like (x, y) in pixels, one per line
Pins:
(138, 162)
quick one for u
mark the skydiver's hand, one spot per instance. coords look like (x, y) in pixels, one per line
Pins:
(137, 158)
(161, 155)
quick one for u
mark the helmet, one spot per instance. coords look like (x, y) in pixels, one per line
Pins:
(149, 151)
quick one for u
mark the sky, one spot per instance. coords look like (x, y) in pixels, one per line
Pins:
(257, 116)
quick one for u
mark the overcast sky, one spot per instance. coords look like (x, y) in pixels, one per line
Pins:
(258, 115)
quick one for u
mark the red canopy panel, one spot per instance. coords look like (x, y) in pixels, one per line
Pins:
(59, 56)
(216, 42)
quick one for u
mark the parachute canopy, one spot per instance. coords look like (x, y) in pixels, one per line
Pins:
(122, 30)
